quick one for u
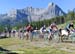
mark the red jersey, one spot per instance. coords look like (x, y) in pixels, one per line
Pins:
(53, 26)
(29, 28)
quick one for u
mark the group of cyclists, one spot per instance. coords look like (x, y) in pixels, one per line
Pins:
(52, 28)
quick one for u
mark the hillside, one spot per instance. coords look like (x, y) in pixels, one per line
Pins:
(30, 14)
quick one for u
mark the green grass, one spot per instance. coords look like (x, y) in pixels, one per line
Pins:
(26, 47)
(46, 50)
(9, 41)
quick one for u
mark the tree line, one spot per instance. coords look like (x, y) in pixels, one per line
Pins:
(58, 19)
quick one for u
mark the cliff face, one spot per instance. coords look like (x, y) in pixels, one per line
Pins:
(36, 14)
(30, 14)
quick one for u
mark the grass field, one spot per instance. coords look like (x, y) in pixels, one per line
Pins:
(36, 47)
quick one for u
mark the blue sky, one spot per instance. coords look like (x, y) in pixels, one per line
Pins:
(6, 5)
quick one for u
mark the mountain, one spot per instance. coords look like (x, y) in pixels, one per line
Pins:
(30, 14)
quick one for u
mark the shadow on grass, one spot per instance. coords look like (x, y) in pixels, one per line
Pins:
(4, 51)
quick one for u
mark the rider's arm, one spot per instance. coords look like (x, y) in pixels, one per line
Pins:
(73, 26)
(56, 27)
(67, 26)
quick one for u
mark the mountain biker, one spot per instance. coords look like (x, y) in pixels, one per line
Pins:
(29, 28)
(53, 27)
(70, 27)
(43, 29)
